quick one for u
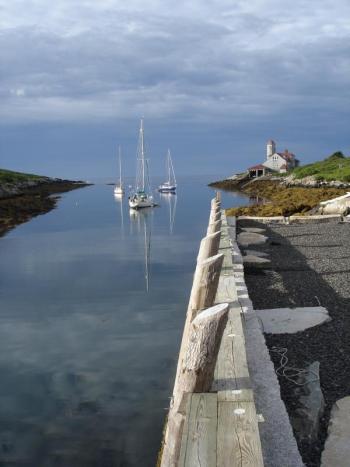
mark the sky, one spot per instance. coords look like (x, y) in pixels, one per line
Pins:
(213, 80)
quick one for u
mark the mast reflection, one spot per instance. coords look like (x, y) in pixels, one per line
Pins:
(171, 200)
(142, 220)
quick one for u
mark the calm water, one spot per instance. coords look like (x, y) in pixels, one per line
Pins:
(92, 304)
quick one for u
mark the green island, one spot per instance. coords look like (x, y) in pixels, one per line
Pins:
(297, 192)
(23, 196)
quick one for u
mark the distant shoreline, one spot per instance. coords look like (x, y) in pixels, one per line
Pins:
(23, 199)
(281, 197)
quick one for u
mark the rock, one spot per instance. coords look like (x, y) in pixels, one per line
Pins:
(256, 261)
(337, 448)
(339, 205)
(310, 404)
(253, 230)
(250, 238)
(291, 320)
(261, 254)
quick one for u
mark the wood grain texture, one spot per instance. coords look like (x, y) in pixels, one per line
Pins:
(226, 291)
(215, 215)
(214, 227)
(198, 447)
(209, 246)
(238, 441)
(205, 284)
(196, 372)
(231, 367)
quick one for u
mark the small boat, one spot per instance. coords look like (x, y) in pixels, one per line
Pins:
(119, 189)
(142, 196)
(170, 185)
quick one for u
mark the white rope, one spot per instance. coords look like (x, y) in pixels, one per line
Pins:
(292, 374)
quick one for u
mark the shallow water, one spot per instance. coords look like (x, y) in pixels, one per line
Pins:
(92, 304)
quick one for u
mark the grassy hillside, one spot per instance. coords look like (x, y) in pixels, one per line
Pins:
(8, 176)
(335, 167)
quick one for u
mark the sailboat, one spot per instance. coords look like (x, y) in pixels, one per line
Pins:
(119, 189)
(142, 197)
(170, 185)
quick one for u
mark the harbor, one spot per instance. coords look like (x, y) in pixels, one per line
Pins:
(87, 353)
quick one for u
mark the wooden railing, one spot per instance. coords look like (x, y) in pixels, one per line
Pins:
(212, 419)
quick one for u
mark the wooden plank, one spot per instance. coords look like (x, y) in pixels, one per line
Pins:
(200, 432)
(236, 395)
(238, 441)
(185, 432)
(226, 291)
(232, 368)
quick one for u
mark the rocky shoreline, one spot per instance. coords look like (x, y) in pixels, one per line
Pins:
(281, 196)
(22, 200)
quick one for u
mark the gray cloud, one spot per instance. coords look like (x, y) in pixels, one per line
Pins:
(88, 60)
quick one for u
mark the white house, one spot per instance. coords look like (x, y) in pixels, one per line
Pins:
(279, 161)
(275, 161)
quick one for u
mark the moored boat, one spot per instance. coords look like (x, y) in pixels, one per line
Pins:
(142, 196)
(169, 186)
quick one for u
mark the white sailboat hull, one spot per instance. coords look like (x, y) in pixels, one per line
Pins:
(137, 202)
(167, 188)
(118, 190)
(170, 185)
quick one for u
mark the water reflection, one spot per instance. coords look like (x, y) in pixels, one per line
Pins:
(142, 219)
(87, 355)
(170, 199)
(256, 200)
(119, 199)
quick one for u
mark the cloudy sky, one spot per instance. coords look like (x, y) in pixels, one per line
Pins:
(214, 80)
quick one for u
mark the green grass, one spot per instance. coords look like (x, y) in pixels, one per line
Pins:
(8, 176)
(335, 167)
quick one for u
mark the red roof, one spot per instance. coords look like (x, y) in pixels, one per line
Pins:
(257, 167)
(286, 155)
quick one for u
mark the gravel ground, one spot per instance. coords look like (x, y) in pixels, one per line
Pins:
(310, 266)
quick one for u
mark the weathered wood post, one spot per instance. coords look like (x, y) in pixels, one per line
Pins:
(204, 287)
(214, 227)
(209, 246)
(196, 375)
(215, 204)
(205, 284)
(214, 216)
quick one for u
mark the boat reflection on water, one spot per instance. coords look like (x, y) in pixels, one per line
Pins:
(142, 221)
(170, 199)
(119, 199)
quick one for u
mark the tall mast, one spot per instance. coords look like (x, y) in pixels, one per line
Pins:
(168, 160)
(142, 155)
(120, 168)
(171, 167)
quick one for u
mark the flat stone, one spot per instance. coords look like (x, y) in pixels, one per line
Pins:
(337, 448)
(309, 407)
(250, 238)
(291, 320)
(261, 254)
(256, 261)
(253, 230)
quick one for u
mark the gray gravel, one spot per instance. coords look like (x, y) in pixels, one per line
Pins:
(310, 266)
